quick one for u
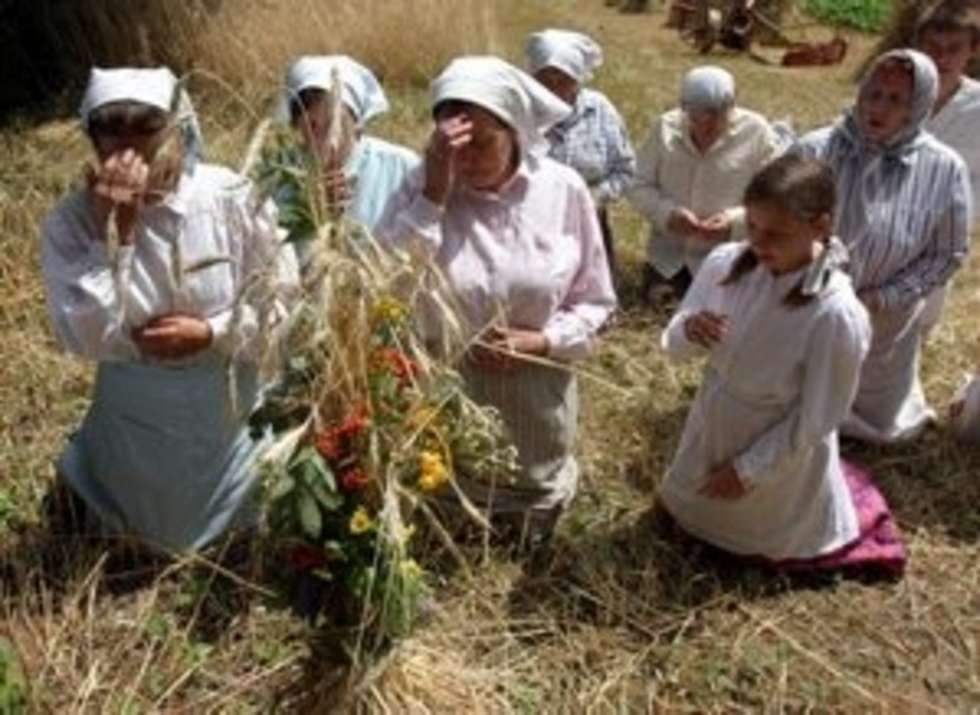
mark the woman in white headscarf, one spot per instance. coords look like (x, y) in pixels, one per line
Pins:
(691, 172)
(142, 267)
(515, 234)
(360, 172)
(593, 139)
(903, 213)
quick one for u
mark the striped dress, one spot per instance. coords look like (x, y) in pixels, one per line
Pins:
(903, 214)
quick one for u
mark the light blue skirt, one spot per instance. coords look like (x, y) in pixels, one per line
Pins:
(159, 454)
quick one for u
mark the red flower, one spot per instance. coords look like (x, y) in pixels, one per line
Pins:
(328, 444)
(402, 366)
(306, 558)
(353, 480)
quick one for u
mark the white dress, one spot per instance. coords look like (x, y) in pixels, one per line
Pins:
(773, 394)
(159, 453)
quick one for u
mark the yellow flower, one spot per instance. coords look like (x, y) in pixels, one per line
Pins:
(360, 521)
(411, 571)
(388, 309)
(423, 417)
(432, 471)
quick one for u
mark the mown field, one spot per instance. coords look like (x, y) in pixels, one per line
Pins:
(621, 617)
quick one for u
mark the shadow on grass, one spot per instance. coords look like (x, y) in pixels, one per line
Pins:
(932, 483)
(647, 576)
(53, 561)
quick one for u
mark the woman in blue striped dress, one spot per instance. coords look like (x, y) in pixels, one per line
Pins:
(903, 213)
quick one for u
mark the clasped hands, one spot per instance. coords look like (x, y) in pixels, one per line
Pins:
(715, 229)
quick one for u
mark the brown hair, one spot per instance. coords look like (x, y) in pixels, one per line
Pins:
(117, 117)
(952, 16)
(802, 187)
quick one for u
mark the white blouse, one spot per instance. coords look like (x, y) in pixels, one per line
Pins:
(192, 253)
(672, 173)
(530, 252)
(957, 125)
(774, 392)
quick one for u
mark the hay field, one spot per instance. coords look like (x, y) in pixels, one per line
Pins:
(620, 618)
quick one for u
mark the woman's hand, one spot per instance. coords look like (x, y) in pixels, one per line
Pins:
(706, 328)
(717, 228)
(682, 222)
(173, 336)
(120, 181)
(501, 348)
(723, 483)
(448, 137)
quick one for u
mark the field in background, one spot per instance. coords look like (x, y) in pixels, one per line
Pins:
(622, 618)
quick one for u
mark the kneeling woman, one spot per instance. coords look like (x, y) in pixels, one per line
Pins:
(142, 268)
(758, 472)
(516, 235)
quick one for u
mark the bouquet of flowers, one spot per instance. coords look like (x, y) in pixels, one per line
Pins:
(371, 421)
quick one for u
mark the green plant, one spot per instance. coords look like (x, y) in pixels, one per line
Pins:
(867, 15)
(12, 696)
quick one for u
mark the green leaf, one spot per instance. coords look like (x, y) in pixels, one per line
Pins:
(309, 514)
(282, 487)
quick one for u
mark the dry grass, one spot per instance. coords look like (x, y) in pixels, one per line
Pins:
(624, 617)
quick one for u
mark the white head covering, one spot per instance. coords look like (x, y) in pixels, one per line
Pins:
(510, 94)
(573, 53)
(707, 88)
(154, 87)
(361, 91)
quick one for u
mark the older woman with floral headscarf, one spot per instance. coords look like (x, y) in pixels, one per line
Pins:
(691, 173)
(903, 213)
(143, 268)
(515, 234)
(360, 172)
(593, 139)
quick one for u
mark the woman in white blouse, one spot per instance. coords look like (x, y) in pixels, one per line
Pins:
(691, 172)
(516, 235)
(903, 212)
(142, 267)
(758, 471)
(950, 35)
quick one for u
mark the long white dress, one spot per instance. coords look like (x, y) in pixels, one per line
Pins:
(159, 453)
(774, 391)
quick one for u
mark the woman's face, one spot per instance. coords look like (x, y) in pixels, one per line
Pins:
(490, 157)
(143, 142)
(706, 126)
(885, 102)
(781, 241)
(561, 84)
(951, 50)
(313, 123)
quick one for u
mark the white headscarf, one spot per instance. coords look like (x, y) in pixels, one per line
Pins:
(707, 88)
(361, 91)
(510, 94)
(573, 53)
(925, 89)
(154, 87)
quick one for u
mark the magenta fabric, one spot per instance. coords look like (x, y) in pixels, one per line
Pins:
(879, 545)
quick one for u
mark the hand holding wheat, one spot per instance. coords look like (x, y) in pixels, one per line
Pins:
(119, 182)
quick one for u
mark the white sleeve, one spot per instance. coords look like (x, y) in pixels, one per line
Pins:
(85, 305)
(673, 339)
(410, 221)
(836, 350)
(268, 284)
(646, 195)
